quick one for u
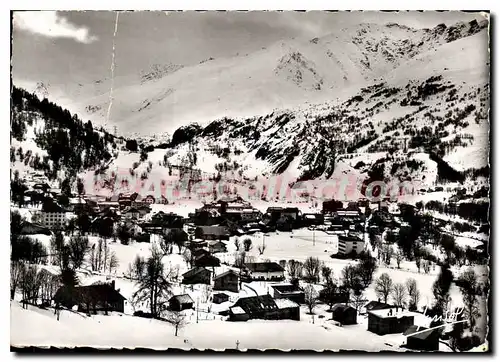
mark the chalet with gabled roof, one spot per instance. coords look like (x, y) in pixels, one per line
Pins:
(227, 281)
(197, 275)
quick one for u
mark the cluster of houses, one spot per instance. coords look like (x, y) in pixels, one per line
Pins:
(205, 233)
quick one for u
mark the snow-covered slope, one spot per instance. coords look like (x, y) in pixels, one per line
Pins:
(281, 76)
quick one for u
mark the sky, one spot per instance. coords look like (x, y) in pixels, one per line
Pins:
(59, 47)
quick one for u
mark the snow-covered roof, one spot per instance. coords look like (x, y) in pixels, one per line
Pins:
(285, 303)
(184, 298)
(237, 310)
(384, 313)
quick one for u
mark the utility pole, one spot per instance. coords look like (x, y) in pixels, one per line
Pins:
(197, 308)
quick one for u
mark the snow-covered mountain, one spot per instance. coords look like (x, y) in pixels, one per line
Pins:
(284, 75)
(414, 107)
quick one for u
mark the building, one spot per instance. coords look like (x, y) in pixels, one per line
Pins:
(389, 321)
(376, 305)
(277, 213)
(131, 212)
(168, 220)
(345, 314)
(331, 206)
(350, 243)
(206, 260)
(211, 233)
(313, 219)
(227, 281)
(28, 228)
(180, 302)
(288, 291)
(52, 216)
(217, 246)
(265, 307)
(91, 298)
(150, 199)
(265, 271)
(219, 298)
(197, 275)
(238, 314)
(422, 338)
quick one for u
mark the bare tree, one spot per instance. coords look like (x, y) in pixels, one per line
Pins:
(137, 268)
(78, 247)
(177, 319)
(240, 259)
(358, 298)
(261, 248)
(16, 274)
(294, 269)
(470, 289)
(387, 253)
(418, 262)
(311, 298)
(399, 294)
(399, 258)
(366, 268)
(28, 284)
(99, 254)
(113, 262)
(48, 286)
(384, 286)
(237, 244)
(426, 266)
(312, 268)
(247, 244)
(188, 257)
(350, 277)
(326, 273)
(154, 284)
(413, 294)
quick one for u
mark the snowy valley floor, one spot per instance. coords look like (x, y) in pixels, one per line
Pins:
(38, 327)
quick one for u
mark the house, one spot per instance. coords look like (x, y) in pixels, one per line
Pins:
(219, 298)
(345, 314)
(288, 309)
(197, 275)
(76, 204)
(150, 199)
(265, 307)
(143, 210)
(330, 206)
(217, 246)
(125, 200)
(168, 220)
(206, 260)
(389, 321)
(227, 281)
(130, 212)
(28, 228)
(175, 235)
(350, 243)
(91, 298)
(42, 186)
(313, 219)
(238, 314)
(265, 271)
(340, 296)
(103, 205)
(180, 302)
(52, 216)
(422, 339)
(375, 305)
(288, 291)
(211, 233)
(277, 213)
